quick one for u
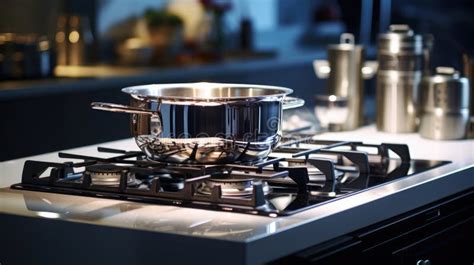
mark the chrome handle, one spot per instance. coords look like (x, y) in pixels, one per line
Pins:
(155, 119)
(323, 69)
(292, 102)
(369, 69)
(121, 108)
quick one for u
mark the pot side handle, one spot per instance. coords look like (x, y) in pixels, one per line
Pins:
(121, 108)
(292, 103)
(155, 119)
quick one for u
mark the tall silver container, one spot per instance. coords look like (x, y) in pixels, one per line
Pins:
(345, 79)
(400, 58)
(345, 69)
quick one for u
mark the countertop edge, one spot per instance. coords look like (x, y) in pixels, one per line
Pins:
(390, 206)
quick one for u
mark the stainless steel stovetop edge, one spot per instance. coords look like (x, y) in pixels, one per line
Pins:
(324, 222)
(361, 210)
(270, 238)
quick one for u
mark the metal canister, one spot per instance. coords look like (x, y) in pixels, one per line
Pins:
(401, 65)
(445, 105)
(345, 69)
(468, 62)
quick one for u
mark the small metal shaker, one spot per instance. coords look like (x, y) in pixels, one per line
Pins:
(445, 103)
(468, 62)
(401, 58)
(345, 69)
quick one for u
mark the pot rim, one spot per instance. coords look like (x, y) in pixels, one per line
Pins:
(201, 92)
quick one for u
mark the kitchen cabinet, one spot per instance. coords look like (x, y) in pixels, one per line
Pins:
(439, 233)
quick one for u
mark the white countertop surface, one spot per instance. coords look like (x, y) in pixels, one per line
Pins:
(461, 151)
(256, 232)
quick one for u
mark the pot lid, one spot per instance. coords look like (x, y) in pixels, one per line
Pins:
(208, 92)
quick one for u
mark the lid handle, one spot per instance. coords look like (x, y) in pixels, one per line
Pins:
(347, 38)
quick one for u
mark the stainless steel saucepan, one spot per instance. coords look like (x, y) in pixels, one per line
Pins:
(205, 123)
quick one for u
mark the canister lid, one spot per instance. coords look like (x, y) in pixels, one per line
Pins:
(444, 74)
(400, 39)
(401, 29)
(446, 89)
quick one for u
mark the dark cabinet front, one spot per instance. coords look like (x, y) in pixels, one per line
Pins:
(452, 245)
(440, 233)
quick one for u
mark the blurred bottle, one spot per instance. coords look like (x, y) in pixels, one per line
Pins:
(74, 40)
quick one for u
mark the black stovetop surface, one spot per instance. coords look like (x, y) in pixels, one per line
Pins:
(300, 174)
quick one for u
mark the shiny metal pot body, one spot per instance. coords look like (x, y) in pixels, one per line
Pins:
(205, 123)
(445, 105)
(401, 65)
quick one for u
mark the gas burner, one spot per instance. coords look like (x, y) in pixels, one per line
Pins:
(299, 174)
(169, 182)
(107, 174)
(232, 187)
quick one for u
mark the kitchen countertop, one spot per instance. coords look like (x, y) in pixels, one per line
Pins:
(238, 238)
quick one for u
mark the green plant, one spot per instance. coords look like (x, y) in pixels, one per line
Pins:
(156, 18)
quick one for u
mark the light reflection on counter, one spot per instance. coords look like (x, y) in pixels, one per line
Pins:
(158, 218)
(50, 215)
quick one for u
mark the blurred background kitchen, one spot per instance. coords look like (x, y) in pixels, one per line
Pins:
(58, 56)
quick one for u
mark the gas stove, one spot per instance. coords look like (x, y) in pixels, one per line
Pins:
(299, 174)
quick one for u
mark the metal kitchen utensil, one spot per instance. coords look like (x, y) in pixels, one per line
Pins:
(468, 63)
(345, 69)
(445, 105)
(401, 57)
(332, 111)
(205, 122)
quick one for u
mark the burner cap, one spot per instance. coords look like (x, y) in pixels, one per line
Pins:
(104, 168)
(232, 187)
(107, 174)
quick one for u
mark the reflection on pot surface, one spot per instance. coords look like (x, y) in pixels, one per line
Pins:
(228, 132)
